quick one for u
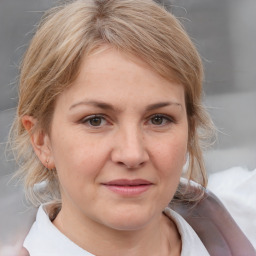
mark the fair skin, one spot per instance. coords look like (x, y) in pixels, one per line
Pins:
(118, 141)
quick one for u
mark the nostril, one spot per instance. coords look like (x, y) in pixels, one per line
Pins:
(131, 166)
(121, 163)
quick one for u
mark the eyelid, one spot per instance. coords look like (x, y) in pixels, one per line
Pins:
(169, 118)
(85, 120)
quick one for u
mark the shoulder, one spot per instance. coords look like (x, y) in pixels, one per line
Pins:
(213, 224)
(191, 243)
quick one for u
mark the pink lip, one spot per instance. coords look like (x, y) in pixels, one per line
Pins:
(128, 187)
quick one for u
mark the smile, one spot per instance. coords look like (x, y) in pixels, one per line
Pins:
(128, 187)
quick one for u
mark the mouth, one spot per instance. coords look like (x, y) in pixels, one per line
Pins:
(127, 187)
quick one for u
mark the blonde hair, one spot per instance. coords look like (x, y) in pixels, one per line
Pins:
(73, 31)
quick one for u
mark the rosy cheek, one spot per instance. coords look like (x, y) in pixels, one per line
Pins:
(172, 156)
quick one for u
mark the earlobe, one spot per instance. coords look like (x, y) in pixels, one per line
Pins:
(39, 140)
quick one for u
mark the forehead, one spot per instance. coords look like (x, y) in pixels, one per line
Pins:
(117, 77)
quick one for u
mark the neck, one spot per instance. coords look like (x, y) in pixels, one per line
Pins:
(158, 238)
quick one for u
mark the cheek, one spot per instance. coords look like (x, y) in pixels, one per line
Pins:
(169, 157)
(169, 153)
(77, 159)
(169, 161)
(77, 171)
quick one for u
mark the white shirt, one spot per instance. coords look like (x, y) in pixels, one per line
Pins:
(44, 239)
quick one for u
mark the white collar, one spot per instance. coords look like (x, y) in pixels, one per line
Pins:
(44, 239)
(191, 243)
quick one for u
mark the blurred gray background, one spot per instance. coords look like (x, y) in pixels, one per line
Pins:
(224, 32)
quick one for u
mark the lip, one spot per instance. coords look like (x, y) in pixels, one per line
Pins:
(128, 187)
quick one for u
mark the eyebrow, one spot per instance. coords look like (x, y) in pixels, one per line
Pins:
(107, 106)
(97, 104)
(162, 104)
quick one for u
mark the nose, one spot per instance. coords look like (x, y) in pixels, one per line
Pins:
(129, 148)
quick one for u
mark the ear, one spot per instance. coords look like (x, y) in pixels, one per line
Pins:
(40, 141)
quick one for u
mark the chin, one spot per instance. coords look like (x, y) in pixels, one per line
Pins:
(129, 219)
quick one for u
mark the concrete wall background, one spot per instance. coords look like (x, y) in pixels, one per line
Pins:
(225, 34)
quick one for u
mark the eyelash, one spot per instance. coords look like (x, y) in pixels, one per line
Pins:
(168, 119)
(87, 120)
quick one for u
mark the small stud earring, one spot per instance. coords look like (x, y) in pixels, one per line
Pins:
(47, 162)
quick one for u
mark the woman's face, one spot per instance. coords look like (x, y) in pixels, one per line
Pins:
(119, 141)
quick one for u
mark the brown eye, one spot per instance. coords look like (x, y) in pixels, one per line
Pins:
(95, 121)
(157, 120)
(160, 120)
